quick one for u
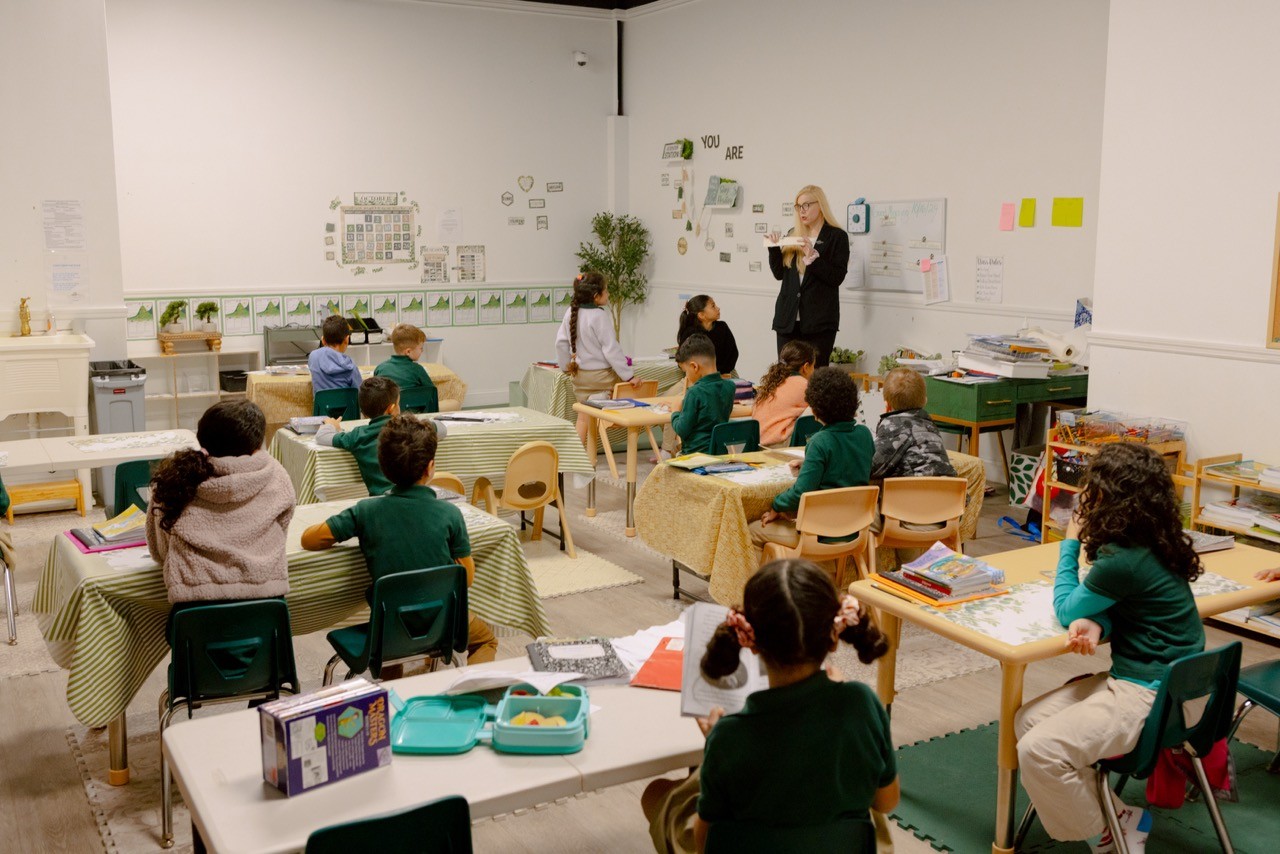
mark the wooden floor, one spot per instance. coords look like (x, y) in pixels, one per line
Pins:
(43, 806)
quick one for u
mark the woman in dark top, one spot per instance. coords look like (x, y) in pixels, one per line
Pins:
(808, 305)
(702, 315)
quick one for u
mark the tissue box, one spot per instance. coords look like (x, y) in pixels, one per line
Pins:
(311, 740)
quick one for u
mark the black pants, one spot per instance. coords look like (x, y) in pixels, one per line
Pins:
(821, 341)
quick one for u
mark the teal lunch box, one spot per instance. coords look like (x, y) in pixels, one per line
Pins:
(454, 724)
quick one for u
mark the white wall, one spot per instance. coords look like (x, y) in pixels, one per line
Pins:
(1188, 221)
(57, 145)
(980, 103)
(237, 122)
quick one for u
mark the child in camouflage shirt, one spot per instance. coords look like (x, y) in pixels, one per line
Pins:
(908, 443)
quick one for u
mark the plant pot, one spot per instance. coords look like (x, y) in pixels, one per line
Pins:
(208, 326)
(174, 328)
(847, 367)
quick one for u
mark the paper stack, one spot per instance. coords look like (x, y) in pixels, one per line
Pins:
(1006, 356)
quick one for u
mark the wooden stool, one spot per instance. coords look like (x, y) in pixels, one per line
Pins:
(26, 493)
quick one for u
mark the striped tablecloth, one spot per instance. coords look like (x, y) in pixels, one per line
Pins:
(550, 390)
(103, 616)
(469, 451)
(285, 396)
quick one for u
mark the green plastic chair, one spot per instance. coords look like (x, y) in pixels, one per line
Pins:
(223, 652)
(439, 827)
(806, 426)
(745, 431)
(421, 613)
(854, 836)
(1260, 685)
(131, 478)
(10, 598)
(337, 403)
(421, 400)
(1212, 674)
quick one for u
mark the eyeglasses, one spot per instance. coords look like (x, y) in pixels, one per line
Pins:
(804, 206)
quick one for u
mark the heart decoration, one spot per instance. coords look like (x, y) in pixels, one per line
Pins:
(525, 182)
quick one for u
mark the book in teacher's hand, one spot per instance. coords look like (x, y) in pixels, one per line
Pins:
(593, 657)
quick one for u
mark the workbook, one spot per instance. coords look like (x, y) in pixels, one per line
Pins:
(593, 657)
(699, 694)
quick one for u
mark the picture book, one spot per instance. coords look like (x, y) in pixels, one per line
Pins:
(953, 572)
(126, 527)
(664, 669)
(693, 461)
(593, 657)
(699, 694)
(899, 584)
(1243, 470)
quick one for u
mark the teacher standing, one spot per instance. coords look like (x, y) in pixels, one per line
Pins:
(808, 305)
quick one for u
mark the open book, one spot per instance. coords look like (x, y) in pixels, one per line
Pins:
(698, 694)
(784, 242)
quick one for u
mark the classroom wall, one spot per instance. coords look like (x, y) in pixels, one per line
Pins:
(237, 123)
(1187, 222)
(57, 144)
(980, 103)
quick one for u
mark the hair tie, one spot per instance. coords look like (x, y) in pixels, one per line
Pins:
(738, 622)
(578, 278)
(849, 615)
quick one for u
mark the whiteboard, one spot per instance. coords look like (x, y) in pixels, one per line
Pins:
(900, 234)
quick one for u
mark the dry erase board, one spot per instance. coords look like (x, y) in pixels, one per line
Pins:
(900, 234)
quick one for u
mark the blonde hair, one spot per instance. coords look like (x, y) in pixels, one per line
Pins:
(791, 253)
(904, 389)
(406, 335)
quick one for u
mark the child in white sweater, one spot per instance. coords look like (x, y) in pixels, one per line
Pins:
(586, 347)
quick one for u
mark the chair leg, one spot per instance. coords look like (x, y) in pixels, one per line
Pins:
(1109, 810)
(1210, 801)
(1024, 827)
(675, 581)
(166, 785)
(537, 523)
(328, 670)
(10, 605)
(565, 536)
(1244, 709)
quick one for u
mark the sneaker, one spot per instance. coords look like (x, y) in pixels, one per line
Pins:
(1136, 824)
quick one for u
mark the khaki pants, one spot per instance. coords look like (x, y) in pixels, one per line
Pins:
(482, 644)
(780, 531)
(670, 441)
(1062, 733)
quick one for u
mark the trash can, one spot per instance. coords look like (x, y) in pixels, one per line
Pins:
(118, 405)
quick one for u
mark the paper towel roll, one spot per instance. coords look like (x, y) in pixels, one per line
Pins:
(1060, 347)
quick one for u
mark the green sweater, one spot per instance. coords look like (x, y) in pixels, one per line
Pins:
(404, 372)
(708, 402)
(362, 442)
(837, 456)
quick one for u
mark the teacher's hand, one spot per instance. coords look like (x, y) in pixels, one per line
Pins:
(773, 237)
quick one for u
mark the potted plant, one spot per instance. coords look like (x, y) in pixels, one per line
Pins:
(207, 311)
(845, 359)
(620, 249)
(171, 317)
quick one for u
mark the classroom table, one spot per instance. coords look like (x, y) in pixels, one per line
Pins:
(469, 450)
(217, 763)
(548, 389)
(633, 420)
(1020, 628)
(287, 395)
(103, 616)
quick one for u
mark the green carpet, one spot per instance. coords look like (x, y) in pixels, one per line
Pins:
(949, 790)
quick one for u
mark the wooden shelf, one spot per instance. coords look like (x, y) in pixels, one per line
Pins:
(171, 408)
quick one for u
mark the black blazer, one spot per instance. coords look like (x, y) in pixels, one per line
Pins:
(818, 297)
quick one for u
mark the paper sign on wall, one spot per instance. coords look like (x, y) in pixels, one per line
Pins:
(990, 279)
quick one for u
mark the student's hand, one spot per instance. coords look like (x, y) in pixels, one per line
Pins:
(1073, 527)
(335, 423)
(794, 465)
(1268, 575)
(705, 724)
(635, 381)
(769, 516)
(1083, 636)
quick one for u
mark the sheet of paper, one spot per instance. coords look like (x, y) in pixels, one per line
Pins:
(1006, 216)
(449, 226)
(63, 221)
(1068, 211)
(937, 286)
(990, 279)
(1027, 214)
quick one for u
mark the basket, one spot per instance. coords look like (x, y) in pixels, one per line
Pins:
(1069, 470)
(233, 380)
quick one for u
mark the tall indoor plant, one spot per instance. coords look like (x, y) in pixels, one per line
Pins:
(619, 250)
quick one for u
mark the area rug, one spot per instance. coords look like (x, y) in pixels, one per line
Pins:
(613, 523)
(948, 800)
(556, 574)
(923, 658)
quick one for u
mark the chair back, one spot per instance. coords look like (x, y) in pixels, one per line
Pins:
(856, 836)
(438, 827)
(337, 403)
(227, 649)
(420, 400)
(647, 388)
(451, 482)
(835, 513)
(745, 431)
(531, 476)
(1210, 674)
(131, 478)
(921, 500)
(805, 426)
(422, 612)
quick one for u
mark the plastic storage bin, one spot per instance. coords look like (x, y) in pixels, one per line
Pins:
(445, 725)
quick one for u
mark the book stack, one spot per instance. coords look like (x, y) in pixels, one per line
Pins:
(1006, 356)
(126, 529)
(943, 577)
(743, 390)
(1243, 470)
(1269, 476)
(1258, 512)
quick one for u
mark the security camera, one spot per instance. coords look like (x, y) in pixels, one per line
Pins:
(580, 58)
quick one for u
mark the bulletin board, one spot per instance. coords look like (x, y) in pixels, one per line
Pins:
(898, 236)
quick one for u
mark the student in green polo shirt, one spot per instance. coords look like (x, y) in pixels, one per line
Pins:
(407, 340)
(1137, 591)
(809, 752)
(708, 400)
(409, 527)
(837, 456)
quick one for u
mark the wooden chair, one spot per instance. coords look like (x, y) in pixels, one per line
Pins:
(833, 513)
(921, 501)
(648, 388)
(452, 482)
(531, 483)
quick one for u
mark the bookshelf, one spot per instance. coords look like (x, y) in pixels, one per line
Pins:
(181, 386)
(1205, 478)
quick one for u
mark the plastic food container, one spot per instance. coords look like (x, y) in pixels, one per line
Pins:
(445, 724)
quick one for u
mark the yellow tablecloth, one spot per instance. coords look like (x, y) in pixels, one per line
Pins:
(285, 396)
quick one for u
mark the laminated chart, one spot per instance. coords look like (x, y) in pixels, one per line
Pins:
(540, 305)
(439, 309)
(490, 308)
(470, 263)
(377, 232)
(268, 312)
(435, 264)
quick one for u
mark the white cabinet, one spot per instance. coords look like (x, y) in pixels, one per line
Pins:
(182, 386)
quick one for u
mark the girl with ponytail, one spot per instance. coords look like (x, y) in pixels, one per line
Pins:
(701, 316)
(219, 515)
(780, 395)
(587, 348)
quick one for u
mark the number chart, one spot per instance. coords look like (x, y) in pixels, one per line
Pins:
(377, 234)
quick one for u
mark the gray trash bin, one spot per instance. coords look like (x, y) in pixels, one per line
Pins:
(118, 405)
